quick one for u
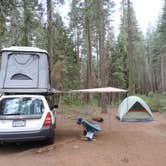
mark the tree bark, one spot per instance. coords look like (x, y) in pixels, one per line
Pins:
(102, 53)
(50, 34)
(130, 51)
(162, 72)
(25, 39)
(2, 24)
(89, 58)
(13, 29)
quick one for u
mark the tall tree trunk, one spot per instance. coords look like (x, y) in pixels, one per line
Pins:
(89, 57)
(50, 34)
(57, 80)
(55, 98)
(102, 53)
(77, 44)
(130, 51)
(2, 26)
(13, 29)
(25, 39)
(162, 71)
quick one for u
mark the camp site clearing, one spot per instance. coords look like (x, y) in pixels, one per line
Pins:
(118, 144)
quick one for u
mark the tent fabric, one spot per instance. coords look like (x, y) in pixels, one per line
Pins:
(24, 69)
(23, 49)
(99, 90)
(20, 67)
(127, 107)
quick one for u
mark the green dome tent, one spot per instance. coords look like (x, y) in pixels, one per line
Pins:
(133, 108)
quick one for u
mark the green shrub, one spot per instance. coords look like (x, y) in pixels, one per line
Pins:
(156, 101)
(71, 100)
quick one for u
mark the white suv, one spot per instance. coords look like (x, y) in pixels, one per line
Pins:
(26, 118)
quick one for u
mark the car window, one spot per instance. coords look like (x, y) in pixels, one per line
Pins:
(21, 106)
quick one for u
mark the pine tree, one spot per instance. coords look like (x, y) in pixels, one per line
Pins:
(29, 22)
(162, 35)
(5, 6)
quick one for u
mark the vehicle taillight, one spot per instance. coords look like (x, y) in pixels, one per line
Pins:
(48, 121)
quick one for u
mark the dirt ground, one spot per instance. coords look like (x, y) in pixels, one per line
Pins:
(118, 144)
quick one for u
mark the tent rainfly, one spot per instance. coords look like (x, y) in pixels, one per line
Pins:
(134, 109)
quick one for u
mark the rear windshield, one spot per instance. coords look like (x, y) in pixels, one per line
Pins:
(21, 106)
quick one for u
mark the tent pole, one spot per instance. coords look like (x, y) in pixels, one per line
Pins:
(127, 100)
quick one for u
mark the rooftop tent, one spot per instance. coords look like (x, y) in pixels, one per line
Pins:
(133, 108)
(24, 70)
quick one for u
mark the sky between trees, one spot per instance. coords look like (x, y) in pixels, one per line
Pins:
(147, 12)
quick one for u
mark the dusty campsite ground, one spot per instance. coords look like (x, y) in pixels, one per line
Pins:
(131, 144)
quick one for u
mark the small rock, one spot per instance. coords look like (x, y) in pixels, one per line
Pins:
(76, 147)
(98, 119)
(125, 160)
(51, 148)
(39, 151)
